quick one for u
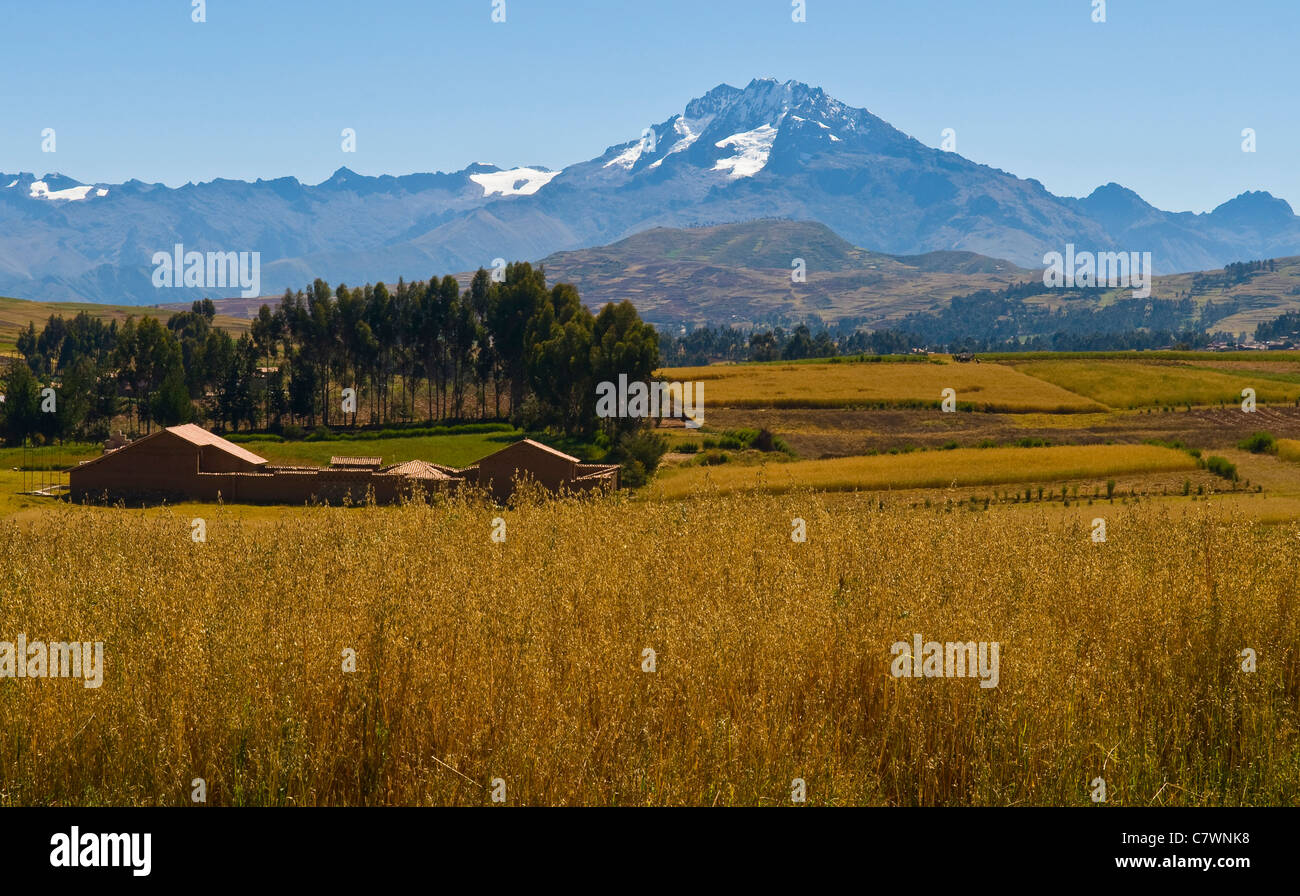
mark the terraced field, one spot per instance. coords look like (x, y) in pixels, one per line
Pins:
(982, 387)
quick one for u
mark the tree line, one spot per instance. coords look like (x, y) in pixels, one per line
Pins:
(1285, 326)
(982, 321)
(508, 348)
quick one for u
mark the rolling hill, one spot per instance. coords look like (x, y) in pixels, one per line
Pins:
(741, 274)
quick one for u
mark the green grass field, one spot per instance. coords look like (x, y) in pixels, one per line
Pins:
(451, 450)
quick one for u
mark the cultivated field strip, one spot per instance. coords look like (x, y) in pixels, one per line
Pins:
(984, 387)
(1132, 383)
(957, 468)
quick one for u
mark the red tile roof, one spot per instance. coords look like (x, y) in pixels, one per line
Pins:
(356, 461)
(416, 469)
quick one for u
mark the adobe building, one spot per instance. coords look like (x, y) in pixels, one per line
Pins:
(167, 465)
(188, 463)
(554, 470)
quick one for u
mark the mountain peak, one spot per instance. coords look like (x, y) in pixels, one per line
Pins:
(1113, 190)
(1113, 197)
(761, 98)
(1255, 207)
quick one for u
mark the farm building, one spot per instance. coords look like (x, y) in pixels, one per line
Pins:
(188, 463)
(552, 469)
(176, 462)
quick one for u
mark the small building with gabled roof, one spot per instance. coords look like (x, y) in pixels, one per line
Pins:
(166, 464)
(552, 469)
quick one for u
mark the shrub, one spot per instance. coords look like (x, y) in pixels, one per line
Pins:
(1259, 443)
(1221, 466)
(688, 447)
(645, 447)
(633, 474)
(739, 439)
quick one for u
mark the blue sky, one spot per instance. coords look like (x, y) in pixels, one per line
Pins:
(1155, 98)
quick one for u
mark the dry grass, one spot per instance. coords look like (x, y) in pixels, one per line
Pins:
(961, 467)
(1289, 449)
(523, 660)
(987, 387)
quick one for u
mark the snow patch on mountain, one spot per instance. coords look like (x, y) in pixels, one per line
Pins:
(515, 182)
(41, 190)
(628, 157)
(752, 150)
(688, 130)
(821, 124)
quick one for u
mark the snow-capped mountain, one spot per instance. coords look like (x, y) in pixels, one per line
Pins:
(768, 150)
(54, 187)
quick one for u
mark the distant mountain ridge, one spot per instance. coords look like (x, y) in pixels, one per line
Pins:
(768, 150)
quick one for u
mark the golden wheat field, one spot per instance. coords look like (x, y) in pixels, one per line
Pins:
(1132, 384)
(956, 468)
(986, 387)
(524, 661)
